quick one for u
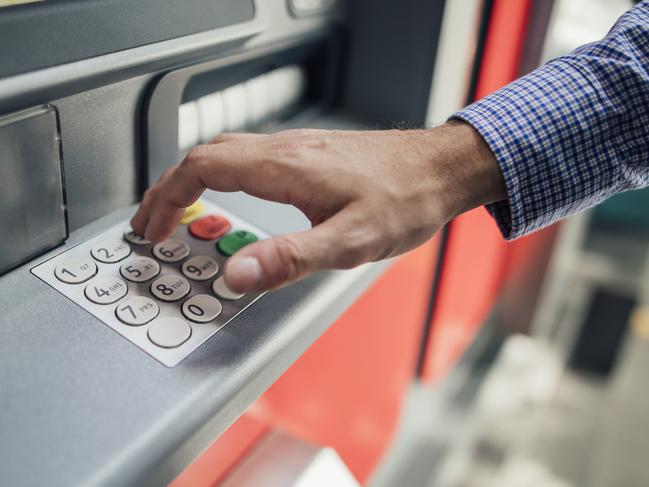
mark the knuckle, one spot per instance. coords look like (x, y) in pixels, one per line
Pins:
(219, 139)
(388, 243)
(369, 241)
(291, 257)
(357, 248)
(195, 156)
(150, 194)
(353, 256)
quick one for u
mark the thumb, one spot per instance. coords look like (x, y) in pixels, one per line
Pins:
(278, 261)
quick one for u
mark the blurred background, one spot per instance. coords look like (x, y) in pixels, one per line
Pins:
(552, 390)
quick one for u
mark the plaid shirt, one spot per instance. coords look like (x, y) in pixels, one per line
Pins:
(573, 132)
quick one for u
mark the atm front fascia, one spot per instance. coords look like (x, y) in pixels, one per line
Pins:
(79, 404)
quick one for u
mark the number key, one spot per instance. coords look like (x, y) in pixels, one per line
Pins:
(137, 311)
(200, 268)
(202, 308)
(139, 269)
(171, 250)
(170, 287)
(169, 332)
(221, 289)
(135, 239)
(105, 289)
(111, 251)
(75, 270)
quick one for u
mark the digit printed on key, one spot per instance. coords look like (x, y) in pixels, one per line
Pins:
(75, 270)
(202, 308)
(170, 288)
(200, 268)
(171, 250)
(105, 289)
(135, 239)
(137, 311)
(110, 251)
(139, 269)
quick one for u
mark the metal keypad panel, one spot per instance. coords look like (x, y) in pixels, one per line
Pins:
(167, 298)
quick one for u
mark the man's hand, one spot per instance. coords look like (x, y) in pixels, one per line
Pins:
(369, 195)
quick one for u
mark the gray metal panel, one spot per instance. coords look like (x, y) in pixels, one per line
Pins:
(32, 203)
(41, 86)
(271, 23)
(81, 405)
(61, 31)
(100, 133)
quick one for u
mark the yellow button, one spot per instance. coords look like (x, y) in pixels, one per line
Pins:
(192, 212)
(640, 321)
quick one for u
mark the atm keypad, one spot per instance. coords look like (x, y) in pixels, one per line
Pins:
(167, 298)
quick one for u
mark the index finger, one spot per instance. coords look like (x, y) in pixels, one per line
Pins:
(233, 165)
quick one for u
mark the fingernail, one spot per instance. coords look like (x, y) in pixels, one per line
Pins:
(244, 274)
(147, 234)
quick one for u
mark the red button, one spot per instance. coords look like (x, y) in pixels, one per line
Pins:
(209, 227)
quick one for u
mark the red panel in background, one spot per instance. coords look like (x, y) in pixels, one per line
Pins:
(346, 390)
(471, 278)
(221, 456)
(477, 256)
(504, 46)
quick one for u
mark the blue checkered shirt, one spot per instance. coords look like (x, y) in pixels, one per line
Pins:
(573, 132)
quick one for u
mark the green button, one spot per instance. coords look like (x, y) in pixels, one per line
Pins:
(235, 241)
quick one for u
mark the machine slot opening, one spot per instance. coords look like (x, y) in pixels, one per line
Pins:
(261, 95)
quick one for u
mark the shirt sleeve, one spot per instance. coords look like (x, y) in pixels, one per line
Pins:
(573, 132)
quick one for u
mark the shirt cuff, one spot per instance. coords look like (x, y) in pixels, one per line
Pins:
(507, 213)
(540, 129)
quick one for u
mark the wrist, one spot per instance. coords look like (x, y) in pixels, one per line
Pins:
(472, 174)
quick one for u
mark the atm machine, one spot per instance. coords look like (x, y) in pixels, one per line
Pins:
(124, 363)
